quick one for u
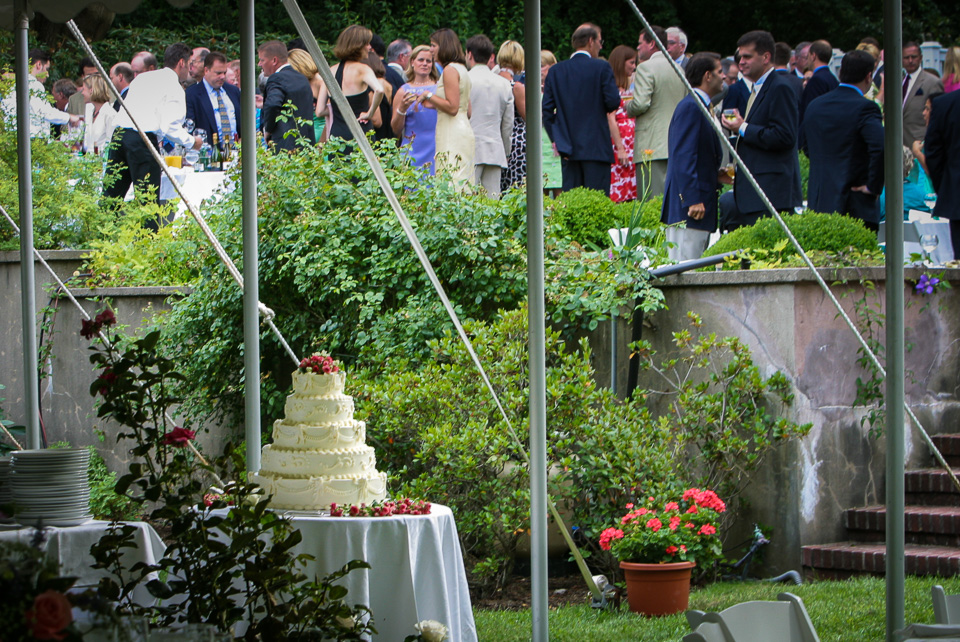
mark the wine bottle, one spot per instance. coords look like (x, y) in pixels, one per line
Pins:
(217, 161)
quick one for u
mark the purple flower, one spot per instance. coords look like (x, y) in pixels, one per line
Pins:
(926, 284)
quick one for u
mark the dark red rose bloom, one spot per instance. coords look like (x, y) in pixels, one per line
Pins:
(178, 437)
(106, 318)
(89, 329)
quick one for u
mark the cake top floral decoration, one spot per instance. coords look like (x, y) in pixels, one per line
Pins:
(320, 363)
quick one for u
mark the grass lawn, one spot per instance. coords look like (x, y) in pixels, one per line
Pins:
(848, 611)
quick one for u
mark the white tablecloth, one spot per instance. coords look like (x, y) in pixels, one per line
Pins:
(70, 547)
(197, 186)
(416, 569)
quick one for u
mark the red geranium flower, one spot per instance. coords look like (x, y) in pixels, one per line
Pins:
(671, 550)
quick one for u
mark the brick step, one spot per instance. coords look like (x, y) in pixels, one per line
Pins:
(949, 447)
(927, 525)
(931, 487)
(843, 559)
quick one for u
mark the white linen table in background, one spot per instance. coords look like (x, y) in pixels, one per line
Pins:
(70, 547)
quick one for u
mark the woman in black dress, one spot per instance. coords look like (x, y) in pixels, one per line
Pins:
(356, 79)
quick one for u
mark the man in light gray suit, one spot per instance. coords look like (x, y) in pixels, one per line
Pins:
(656, 92)
(916, 85)
(491, 102)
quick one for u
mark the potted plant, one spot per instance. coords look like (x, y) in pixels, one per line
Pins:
(659, 543)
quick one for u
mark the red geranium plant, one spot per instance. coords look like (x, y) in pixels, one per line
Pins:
(680, 530)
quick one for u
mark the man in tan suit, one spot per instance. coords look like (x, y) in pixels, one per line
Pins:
(916, 86)
(656, 92)
(491, 116)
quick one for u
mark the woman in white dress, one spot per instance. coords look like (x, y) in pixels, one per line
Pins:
(455, 142)
(96, 92)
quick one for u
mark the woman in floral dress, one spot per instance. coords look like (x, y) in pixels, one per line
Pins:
(623, 174)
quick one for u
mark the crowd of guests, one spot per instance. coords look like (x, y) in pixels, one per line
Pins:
(625, 125)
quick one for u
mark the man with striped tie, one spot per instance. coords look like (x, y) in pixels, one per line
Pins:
(214, 104)
(768, 137)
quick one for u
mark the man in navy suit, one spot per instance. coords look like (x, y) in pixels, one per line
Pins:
(693, 166)
(285, 86)
(822, 79)
(768, 138)
(942, 147)
(844, 137)
(212, 103)
(577, 96)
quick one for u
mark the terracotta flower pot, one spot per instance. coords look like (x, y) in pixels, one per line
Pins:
(658, 589)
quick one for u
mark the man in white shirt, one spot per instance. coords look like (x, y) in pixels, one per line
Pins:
(156, 100)
(42, 113)
(491, 116)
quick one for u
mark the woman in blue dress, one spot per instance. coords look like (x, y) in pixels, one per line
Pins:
(413, 121)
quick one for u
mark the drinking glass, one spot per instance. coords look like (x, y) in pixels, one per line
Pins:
(929, 243)
(930, 200)
(189, 125)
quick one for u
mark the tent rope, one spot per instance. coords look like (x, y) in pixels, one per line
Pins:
(267, 314)
(746, 173)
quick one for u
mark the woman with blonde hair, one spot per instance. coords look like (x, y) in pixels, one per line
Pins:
(547, 60)
(303, 63)
(96, 92)
(951, 70)
(510, 59)
(356, 79)
(455, 140)
(414, 122)
(875, 93)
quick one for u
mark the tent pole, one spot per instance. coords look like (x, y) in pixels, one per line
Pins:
(537, 340)
(893, 179)
(31, 382)
(251, 278)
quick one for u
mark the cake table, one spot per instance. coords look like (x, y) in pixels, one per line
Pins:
(416, 569)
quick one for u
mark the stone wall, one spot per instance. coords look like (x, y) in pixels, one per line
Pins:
(791, 326)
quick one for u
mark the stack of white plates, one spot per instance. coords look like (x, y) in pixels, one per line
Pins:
(6, 495)
(50, 487)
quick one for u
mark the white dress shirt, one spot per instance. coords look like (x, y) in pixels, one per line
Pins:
(227, 104)
(157, 102)
(42, 113)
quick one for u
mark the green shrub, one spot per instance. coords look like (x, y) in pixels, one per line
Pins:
(585, 215)
(833, 233)
(439, 435)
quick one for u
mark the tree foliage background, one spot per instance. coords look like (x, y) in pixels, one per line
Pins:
(711, 25)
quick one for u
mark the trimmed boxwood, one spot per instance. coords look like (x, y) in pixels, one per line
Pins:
(814, 231)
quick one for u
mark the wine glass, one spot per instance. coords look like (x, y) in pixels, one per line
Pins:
(929, 243)
(189, 125)
(202, 133)
(930, 200)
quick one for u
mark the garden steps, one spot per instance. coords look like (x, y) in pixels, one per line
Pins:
(932, 528)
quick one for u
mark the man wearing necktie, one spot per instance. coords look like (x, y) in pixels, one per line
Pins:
(213, 104)
(768, 138)
(917, 85)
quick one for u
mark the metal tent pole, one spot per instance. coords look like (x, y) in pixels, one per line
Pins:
(31, 391)
(893, 179)
(537, 339)
(251, 277)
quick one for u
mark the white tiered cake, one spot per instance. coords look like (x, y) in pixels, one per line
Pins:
(319, 455)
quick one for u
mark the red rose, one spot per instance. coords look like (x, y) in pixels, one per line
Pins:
(89, 329)
(50, 615)
(106, 318)
(178, 437)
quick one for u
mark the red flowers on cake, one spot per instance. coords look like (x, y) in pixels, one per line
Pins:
(404, 506)
(320, 363)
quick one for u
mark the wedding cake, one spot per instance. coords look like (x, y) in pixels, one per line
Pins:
(319, 454)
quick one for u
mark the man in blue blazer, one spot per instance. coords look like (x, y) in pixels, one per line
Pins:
(285, 86)
(942, 147)
(844, 137)
(693, 165)
(822, 79)
(768, 138)
(577, 96)
(213, 104)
